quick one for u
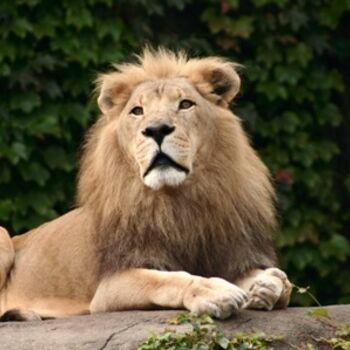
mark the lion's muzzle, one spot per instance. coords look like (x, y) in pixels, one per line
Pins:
(162, 159)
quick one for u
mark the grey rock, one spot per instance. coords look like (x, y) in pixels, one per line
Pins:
(126, 330)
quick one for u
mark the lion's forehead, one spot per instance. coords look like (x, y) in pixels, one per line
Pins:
(163, 90)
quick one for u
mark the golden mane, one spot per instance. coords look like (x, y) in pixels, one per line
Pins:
(229, 203)
(164, 64)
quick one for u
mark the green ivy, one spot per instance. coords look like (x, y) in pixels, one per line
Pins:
(293, 103)
(205, 335)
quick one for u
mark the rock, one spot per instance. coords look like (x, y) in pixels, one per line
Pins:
(126, 330)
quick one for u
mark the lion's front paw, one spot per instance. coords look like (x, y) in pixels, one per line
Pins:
(214, 296)
(270, 289)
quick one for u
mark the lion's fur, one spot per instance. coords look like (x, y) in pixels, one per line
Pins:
(219, 222)
(210, 226)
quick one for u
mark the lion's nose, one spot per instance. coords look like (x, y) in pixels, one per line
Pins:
(158, 132)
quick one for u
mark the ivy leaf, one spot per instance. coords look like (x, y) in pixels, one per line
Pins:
(21, 26)
(223, 341)
(25, 101)
(300, 53)
(6, 207)
(16, 152)
(57, 158)
(34, 172)
(319, 312)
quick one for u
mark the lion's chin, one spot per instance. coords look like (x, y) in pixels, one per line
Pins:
(164, 176)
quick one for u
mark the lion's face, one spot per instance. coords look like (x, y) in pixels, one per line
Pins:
(164, 111)
(162, 128)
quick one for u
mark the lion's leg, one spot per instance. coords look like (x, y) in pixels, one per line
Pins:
(266, 289)
(7, 255)
(145, 288)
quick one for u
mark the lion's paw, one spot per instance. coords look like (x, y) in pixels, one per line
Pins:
(215, 297)
(270, 288)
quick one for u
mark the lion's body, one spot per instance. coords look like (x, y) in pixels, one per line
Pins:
(209, 213)
(53, 269)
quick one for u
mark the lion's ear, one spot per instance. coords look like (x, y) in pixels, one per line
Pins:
(216, 79)
(112, 90)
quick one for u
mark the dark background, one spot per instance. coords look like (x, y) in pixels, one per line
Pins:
(295, 104)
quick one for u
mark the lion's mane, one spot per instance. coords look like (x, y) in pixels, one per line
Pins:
(219, 223)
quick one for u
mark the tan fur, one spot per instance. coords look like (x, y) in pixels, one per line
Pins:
(7, 255)
(213, 219)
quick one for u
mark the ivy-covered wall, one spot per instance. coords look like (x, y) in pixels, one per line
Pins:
(294, 103)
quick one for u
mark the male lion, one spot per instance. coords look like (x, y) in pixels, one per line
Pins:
(174, 207)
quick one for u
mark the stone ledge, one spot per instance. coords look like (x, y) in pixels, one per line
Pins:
(126, 330)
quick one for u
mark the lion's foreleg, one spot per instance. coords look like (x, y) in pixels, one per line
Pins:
(144, 289)
(140, 289)
(7, 255)
(266, 289)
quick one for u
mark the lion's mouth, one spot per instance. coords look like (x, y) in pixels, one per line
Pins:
(161, 160)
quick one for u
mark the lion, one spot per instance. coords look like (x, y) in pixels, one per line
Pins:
(174, 208)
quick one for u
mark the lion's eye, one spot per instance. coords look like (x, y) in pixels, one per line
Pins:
(186, 104)
(137, 110)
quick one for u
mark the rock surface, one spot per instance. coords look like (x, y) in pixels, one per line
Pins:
(126, 330)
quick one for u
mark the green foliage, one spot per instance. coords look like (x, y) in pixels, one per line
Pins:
(295, 54)
(340, 341)
(195, 320)
(204, 335)
(319, 312)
